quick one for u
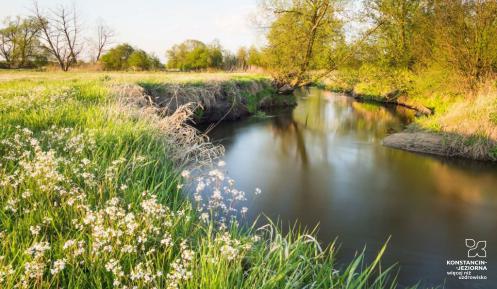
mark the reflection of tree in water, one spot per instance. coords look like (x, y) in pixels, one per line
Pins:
(326, 112)
(321, 116)
(290, 135)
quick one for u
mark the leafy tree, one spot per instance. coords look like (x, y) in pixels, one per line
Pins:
(117, 57)
(301, 38)
(230, 62)
(19, 44)
(242, 58)
(403, 34)
(466, 37)
(139, 60)
(255, 57)
(195, 55)
(154, 62)
(124, 56)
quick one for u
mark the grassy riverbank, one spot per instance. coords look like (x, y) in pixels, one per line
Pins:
(463, 114)
(90, 180)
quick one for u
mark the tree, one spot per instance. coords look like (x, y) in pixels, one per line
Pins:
(242, 58)
(104, 38)
(466, 36)
(140, 60)
(254, 57)
(125, 56)
(302, 32)
(195, 55)
(19, 43)
(7, 42)
(404, 35)
(230, 62)
(117, 57)
(60, 32)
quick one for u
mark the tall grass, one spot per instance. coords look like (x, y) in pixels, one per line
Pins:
(90, 197)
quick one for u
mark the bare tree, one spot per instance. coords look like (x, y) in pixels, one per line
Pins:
(105, 34)
(60, 31)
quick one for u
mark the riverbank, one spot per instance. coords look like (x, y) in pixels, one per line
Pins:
(217, 100)
(451, 121)
(90, 197)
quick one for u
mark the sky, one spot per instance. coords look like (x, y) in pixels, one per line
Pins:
(156, 25)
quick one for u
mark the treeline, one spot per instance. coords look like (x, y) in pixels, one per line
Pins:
(54, 37)
(196, 55)
(307, 39)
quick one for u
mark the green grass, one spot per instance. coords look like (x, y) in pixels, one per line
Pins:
(90, 198)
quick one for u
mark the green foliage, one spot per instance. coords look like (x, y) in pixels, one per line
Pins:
(19, 43)
(457, 35)
(117, 57)
(195, 55)
(404, 31)
(304, 36)
(124, 56)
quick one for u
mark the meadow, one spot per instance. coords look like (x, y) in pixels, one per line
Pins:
(91, 196)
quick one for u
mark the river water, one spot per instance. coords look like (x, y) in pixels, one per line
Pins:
(322, 162)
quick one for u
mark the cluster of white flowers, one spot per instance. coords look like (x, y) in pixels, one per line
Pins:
(231, 248)
(58, 266)
(216, 196)
(48, 177)
(51, 183)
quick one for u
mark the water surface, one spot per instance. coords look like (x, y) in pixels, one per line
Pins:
(323, 163)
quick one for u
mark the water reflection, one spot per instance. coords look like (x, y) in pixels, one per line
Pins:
(323, 163)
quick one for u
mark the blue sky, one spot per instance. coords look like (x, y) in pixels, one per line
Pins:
(155, 25)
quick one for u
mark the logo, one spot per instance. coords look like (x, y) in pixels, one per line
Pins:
(476, 249)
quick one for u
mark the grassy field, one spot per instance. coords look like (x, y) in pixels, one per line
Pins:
(90, 183)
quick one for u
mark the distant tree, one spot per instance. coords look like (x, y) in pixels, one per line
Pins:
(242, 58)
(230, 62)
(195, 55)
(117, 57)
(103, 39)
(8, 41)
(139, 60)
(60, 34)
(254, 57)
(215, 54)
(19, 45)
(155, 62)
(125, 56)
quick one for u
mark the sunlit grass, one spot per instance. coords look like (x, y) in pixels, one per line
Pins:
(464, 116)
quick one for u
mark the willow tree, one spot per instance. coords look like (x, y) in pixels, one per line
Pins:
(301, 39)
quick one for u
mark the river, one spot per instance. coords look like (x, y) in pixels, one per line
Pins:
(322, 162)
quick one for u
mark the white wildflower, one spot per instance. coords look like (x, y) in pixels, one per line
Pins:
(35, 230)
(58, 266)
